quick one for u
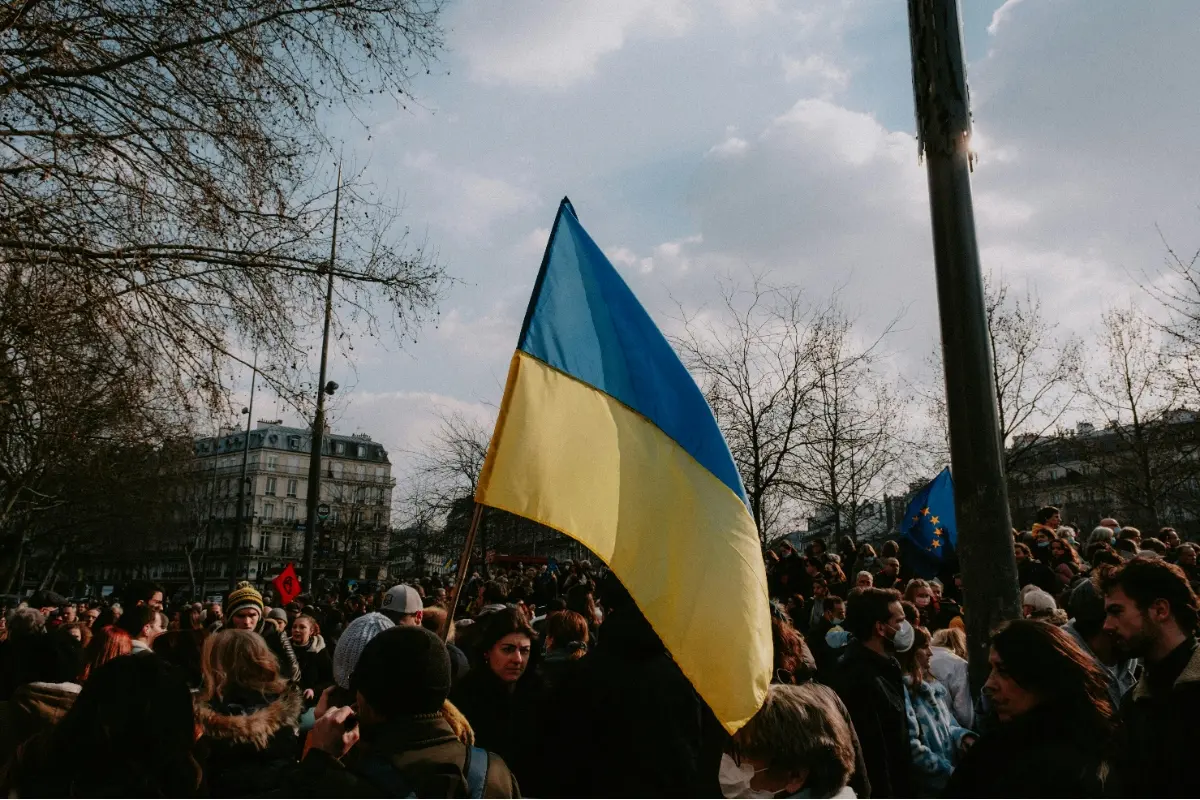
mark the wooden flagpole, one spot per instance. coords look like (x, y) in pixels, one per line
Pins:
(463, 564)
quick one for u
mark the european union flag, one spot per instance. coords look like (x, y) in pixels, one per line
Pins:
(928, 527)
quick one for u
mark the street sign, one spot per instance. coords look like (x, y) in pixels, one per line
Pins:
(323, 511)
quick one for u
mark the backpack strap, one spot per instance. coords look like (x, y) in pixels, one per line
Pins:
(476, 771)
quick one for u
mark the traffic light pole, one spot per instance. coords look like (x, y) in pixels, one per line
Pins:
(985, 544)
(318, 429)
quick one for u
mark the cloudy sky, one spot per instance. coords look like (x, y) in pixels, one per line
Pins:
(707, 138)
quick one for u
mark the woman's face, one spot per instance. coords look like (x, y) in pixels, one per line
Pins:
(508, 657)
(923, 598)
(1057, 549)
(923, 657)
(1187, 557)
(76, 633)
(1008, 697)
(937, 591)
(302, 631)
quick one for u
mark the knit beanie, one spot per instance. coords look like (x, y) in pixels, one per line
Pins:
(404, 671)
(354, 639)
(244, 596)
(1040, 601)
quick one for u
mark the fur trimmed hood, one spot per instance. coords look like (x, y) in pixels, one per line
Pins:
(250, 724)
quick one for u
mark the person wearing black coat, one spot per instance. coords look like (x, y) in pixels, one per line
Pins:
(1152, 615)
(869, 681)
(1053, 737)
(629, 722)
(500, 696)
(1032, 571)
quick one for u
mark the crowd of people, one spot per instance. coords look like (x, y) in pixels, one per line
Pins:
(549, 681)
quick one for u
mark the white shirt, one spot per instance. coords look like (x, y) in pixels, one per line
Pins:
(952, 672)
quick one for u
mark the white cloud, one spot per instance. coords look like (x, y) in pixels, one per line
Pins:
(673, 257)
(404, 420)
(484, 335)
(463, 201)
(548, 44)
(730, 148)
(817, 70)
(1002, 14)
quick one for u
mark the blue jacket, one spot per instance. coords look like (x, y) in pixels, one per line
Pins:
(934, 735)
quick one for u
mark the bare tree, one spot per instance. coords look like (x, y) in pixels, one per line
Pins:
(444, 477)
(1145, 458)
(449, 464)
(754, 363)
(854, 437)
(1177, 291)
(1036, 373)
(166, 192)
(161, 167)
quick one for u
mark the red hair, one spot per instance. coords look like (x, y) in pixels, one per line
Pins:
(106, 645)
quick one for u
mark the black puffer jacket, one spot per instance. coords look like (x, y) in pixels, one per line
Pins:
(250, 742)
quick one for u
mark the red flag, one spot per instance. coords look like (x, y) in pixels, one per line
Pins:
(287, 585)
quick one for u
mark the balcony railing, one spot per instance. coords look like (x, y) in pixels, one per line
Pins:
(254, 470)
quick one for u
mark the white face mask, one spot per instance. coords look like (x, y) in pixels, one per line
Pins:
(735, 779)
(903, 639)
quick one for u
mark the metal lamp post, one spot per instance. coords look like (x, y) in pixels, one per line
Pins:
(237, 520)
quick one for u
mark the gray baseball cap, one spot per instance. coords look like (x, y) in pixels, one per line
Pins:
(402, 599)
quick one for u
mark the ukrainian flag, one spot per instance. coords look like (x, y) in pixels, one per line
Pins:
(604, 435)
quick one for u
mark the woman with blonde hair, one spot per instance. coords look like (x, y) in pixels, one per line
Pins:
(249, 716)
(798, 744)
(949, 665)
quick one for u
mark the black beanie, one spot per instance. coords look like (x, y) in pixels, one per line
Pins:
(402, 671)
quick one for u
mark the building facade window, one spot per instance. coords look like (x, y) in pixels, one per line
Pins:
(271, 486)
(289, 513)
(362, 451)
(268, 511)
(264, 541)
(285, 542)
(292, 484)
(339, 448)
(272, 462)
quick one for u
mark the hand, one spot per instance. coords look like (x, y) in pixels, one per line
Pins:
(967, 742)
(309, 694)
(335, 732)
(323, 704)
